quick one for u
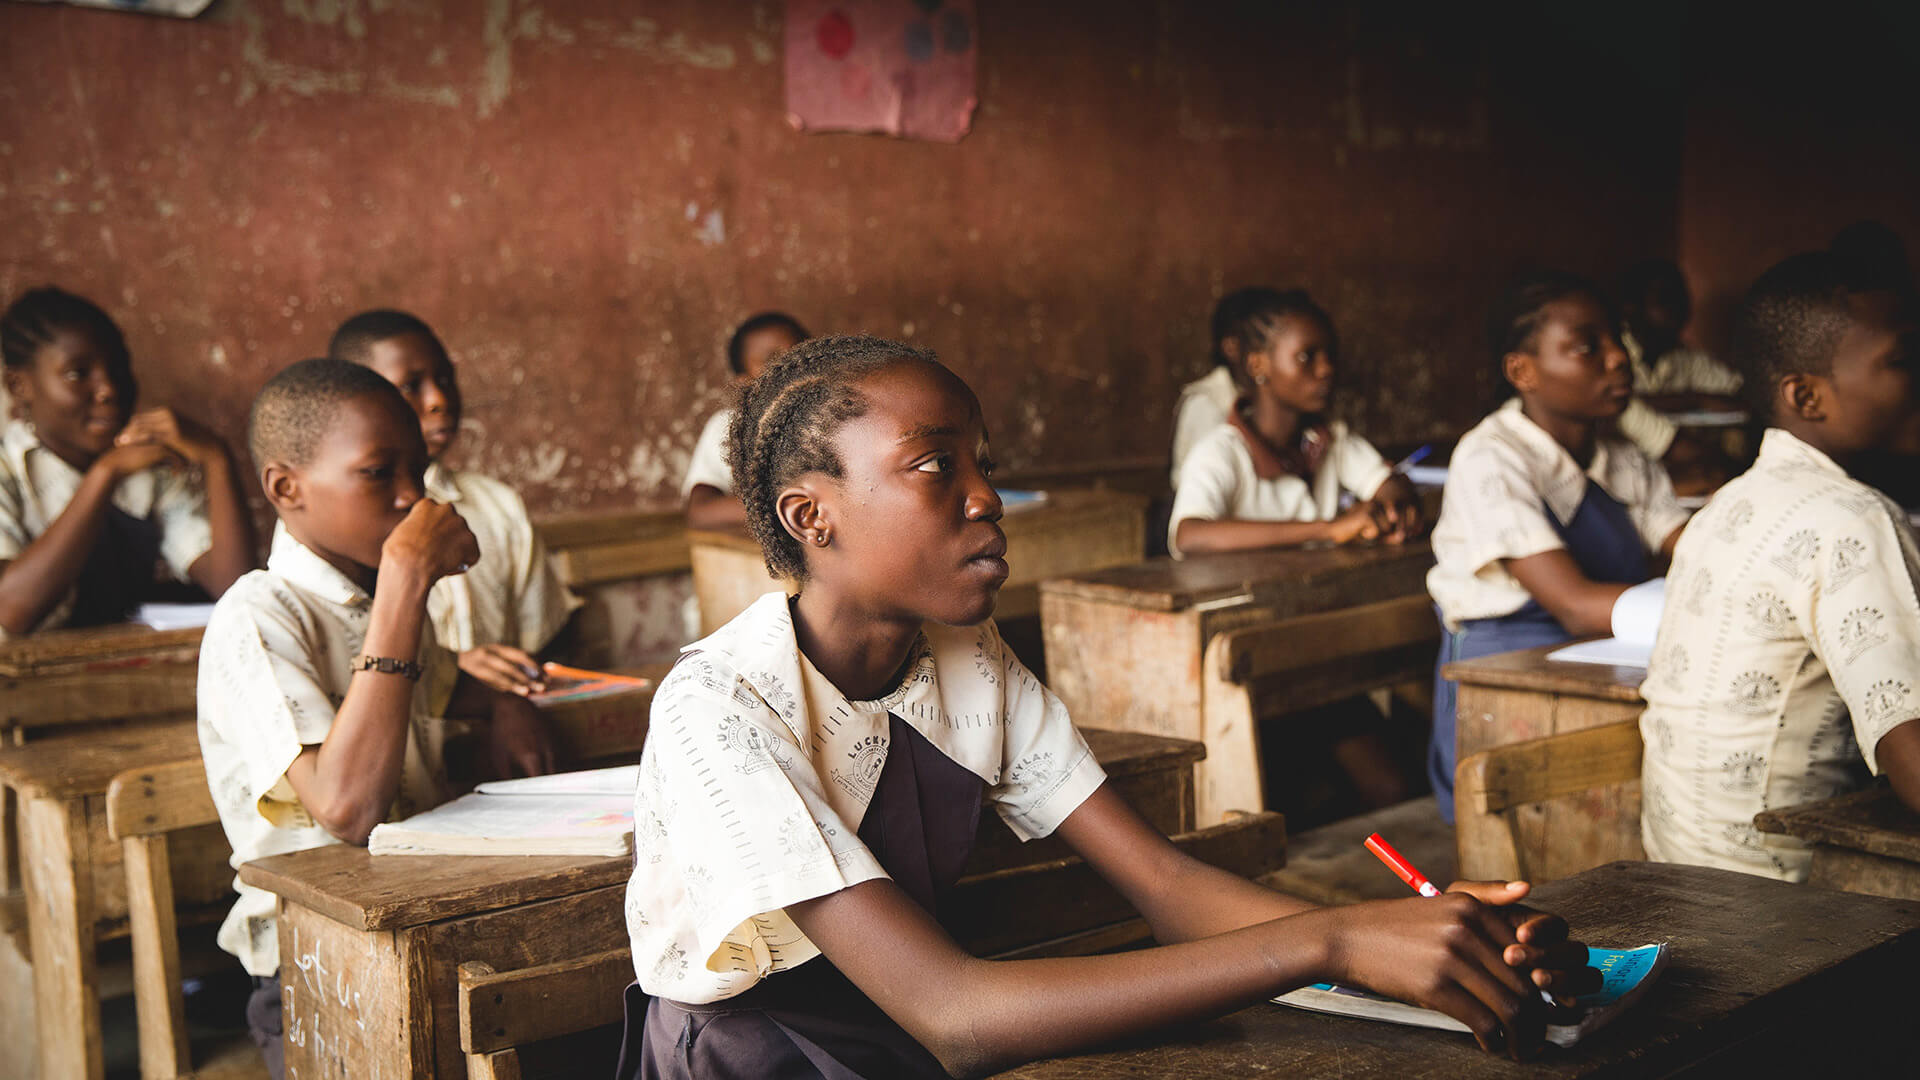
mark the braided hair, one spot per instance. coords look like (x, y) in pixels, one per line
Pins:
(784, 423)
(31, 322)
(1514, 323)
(1250, 317)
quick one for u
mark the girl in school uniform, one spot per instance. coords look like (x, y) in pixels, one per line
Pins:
(816, 770)
(94, 497)
(1549, 514)
(1274, 471)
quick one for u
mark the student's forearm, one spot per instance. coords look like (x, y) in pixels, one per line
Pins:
(355, 774)
(232, 552)
(711, 508)
(35, 580)
(1579, 604)
(1197, 536)
(1197, 900)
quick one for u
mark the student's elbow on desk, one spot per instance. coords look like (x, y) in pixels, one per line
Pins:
(348, 815)
(1898, 755)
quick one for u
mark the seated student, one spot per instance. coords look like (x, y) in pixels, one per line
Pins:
(92, 494)
(1274, 471)
(708, 488)
(1789, 652)
(816, 769)
(1669, 375)
(1547, 518)
(1206, 401)
(511, 605)
(319, 676)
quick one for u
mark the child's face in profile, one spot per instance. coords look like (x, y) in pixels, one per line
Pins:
(77, 394)
(1576, 367)
(914, 521)
(1871, 401)
(1297, 364)
(365, 473)
(424, 376)
(761, 346)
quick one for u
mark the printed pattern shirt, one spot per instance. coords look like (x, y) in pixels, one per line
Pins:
(512, 595)
(36, 486)
(757, 774)
(1219, 481)
(1790, 645)
(1203, 406)
(1506, 476)
(273, 668)
(708, 465)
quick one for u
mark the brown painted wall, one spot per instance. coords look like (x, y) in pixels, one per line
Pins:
(583, 200)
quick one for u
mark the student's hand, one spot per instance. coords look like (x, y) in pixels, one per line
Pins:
(431, 542)
(1400, 516)
(517, 740)
(124, 461)
(1355, 523)
(161, 426)
(1445, 953)
(504, 668)
(1541, 947)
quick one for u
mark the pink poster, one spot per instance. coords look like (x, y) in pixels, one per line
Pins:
(902, 67)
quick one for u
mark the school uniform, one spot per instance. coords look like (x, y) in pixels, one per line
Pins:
(762, 785)
(1204, 405)
(156, 517)
(1232, 473)
(273, 668)
(1513, 492)
(1681, 370)
(1789, 646)
(511, 596)
(708, 465)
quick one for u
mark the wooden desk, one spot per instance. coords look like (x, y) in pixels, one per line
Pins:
(1766, 979)
(1864, 841)
(1523, 695)
(1124, 645)
(74, 891)
(1073, 531)
(98, 673)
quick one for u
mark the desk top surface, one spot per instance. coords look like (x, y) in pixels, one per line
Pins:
(84, 762)
(1168, 584)
(122, 643)
(1738, 942)
(1529, 669)
(1873, 820)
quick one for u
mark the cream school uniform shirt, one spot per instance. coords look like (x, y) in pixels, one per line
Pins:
(273, 668)
(1506, 476)
(36, 486)
(1677, 371)
(1218, 481)
(757, 774)
(1790, 645)
(709, 462)
(1203, 406)
(511, 596)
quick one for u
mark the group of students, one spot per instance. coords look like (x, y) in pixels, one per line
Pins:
(815, 770)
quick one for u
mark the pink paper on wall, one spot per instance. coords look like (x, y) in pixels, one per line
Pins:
(902, 67)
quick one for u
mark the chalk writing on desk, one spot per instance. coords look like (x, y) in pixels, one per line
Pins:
(303, 1025)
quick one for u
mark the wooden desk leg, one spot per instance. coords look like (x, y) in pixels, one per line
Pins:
(57, 865)
(159, 1003)
(9, 841)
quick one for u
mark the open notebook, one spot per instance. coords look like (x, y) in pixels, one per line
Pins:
(1636, 619)
(577, 813)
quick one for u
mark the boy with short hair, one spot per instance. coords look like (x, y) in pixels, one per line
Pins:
(320, 680)
(1789, 650)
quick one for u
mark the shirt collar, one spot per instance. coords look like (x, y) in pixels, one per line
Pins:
(1559, 478)
(295, 563)
(20, 440)
(1780, 447)
(442, 484)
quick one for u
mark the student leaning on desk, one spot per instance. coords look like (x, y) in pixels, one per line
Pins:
(319, 676)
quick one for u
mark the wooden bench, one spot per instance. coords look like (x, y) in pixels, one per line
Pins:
(501, 1011)
(1496, 792)
(1864, 841)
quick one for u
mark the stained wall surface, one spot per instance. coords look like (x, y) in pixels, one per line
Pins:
(584, 195)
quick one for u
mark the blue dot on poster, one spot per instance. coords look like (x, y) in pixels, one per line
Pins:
(955, 32)
(919, 41)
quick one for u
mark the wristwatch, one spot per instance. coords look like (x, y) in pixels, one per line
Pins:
(386, 665)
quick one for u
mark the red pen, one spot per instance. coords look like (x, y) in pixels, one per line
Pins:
(1398, 863)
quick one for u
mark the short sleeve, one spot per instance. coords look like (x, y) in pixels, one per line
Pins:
(1493, 511)
(13, 517)
(1194, 417)
(1358, 466)
(180, 509)
(1047, 770)
(1660, 512)
(272, 702)
(731, 824)
(709, 462)
(1865, 614)
(1209, 486)
(1647, 429)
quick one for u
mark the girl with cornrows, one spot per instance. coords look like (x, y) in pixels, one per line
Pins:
(93, 494)
(816, 769)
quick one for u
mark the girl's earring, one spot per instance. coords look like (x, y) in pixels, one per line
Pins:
(1259, 380)
(821, 539)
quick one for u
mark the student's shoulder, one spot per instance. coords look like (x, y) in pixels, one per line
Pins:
(260, 598)
(1496, 443)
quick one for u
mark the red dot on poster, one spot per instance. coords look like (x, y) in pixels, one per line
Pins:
(835, 34)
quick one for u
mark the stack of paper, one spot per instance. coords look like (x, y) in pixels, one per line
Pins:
(1636, 621)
